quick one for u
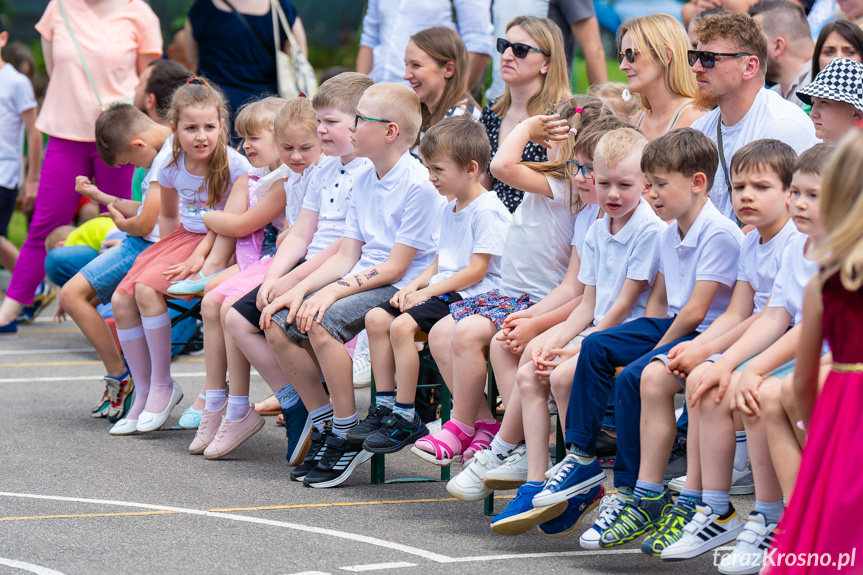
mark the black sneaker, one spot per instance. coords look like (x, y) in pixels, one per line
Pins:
(338, 461)
(395, 434)
(373, 421)
(606, 449)
(677, 462)
(313, 455)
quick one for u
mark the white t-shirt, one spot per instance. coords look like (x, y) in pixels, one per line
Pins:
(328, 192)
(538, 245)
(759, 262)
(162, 159)
(771, 116)
(296, 187)
(795, 272)
(608, 260)
(16, 97)
(583, 220)
(193, 200)
(403, 207)
(709, 252)
(478, 228)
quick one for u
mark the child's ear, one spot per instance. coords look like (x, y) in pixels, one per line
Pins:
(472, 169)
(392, 133)
(699, 182)
(137, 142)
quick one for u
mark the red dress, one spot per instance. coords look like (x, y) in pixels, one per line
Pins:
(824, 514)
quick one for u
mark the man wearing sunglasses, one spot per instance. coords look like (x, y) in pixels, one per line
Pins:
(729, 65)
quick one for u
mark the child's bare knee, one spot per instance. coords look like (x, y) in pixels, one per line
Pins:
(403, 327)
(378, 321)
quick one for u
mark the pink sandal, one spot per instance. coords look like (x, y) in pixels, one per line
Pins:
(486, 429)
(443, 447)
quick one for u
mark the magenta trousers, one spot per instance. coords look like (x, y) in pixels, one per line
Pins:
(56, 203)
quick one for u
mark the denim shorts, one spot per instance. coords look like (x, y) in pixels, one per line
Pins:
(345, 318)
(781, 372)
(107, 271)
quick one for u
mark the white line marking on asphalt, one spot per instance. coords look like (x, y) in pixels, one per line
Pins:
(377, 566)
(47, 351)
(311, 573)
(38, 569)
(429, 555)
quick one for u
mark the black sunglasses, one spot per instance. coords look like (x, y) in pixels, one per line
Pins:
(629, 54)
(708, 59)
(519, 50)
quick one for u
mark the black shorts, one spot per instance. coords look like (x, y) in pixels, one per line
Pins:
(428, 312)
(247, 305)
(8, 197)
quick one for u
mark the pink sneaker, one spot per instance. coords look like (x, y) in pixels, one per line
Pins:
(207, 429)
(232, 434)
(443, 447)
(486, 429)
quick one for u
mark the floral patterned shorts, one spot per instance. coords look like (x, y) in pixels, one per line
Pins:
(491, 305)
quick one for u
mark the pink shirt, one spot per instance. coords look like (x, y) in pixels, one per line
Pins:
(111, 46)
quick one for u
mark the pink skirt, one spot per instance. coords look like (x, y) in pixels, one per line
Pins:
(150, 265)
(829, 490)
(241, 283)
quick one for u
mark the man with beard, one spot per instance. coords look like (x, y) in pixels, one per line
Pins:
(789, 46)
(729, 70)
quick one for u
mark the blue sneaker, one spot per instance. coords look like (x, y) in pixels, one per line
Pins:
(298, 429)
(570, 478)
(520, 515)
(10, 328)
(45, 294)
(578, 507)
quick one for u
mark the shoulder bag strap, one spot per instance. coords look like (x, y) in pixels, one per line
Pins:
(80, 52)
(722, 152)
(248, 26)
(277, 10)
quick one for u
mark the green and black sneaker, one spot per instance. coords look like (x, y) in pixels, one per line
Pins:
(637, 517)
(668, 529)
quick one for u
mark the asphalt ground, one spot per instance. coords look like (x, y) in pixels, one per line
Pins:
(75, 500)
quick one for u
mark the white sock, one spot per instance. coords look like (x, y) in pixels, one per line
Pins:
(740, 450)
(500, 448)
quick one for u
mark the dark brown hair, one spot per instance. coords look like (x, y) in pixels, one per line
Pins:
(685, 151)
(850, 31)
(116, 127)
(773, 154)
(458, 138)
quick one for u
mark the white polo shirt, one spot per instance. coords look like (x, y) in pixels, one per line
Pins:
(709, 252)
(327, 194)
(162, 159)
(538, 245)
(401, 208)
(478, 228)
(759, 262)
(632, 253)
(583, 220)
(795, 272)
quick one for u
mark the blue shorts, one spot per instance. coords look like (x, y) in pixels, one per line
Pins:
(107, 271)
(781, 372)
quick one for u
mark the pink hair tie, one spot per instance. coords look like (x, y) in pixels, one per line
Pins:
(579, 110)
(574, 131)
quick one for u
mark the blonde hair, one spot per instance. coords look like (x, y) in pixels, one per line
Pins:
(398, 104)
(259, 116)
(579, 112)
(458, 138)
(555, 83)
(612, 94)
(444, 45)
(58, 234)
(841, 213)
(651, 35)
(342, 92)
(297, 113)
(616, 145)
(201, 93)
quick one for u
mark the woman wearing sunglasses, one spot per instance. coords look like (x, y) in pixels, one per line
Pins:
(533, 68)
(653, 57)
(436, 67)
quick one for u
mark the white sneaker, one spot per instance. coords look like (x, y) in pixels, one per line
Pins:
(751, 547)
(705, 531)
(741, 482)
(468, 484)
(362, 370)
(510, 474)
(609, 510)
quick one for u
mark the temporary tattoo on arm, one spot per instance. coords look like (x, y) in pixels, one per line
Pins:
(359, 281)
(372, 273)
(343, 283)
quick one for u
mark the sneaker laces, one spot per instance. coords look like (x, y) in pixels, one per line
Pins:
(361, 362)
(563, 470)
(113, 388)
(609, 510)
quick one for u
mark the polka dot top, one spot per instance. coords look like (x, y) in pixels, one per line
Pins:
(510, 197)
